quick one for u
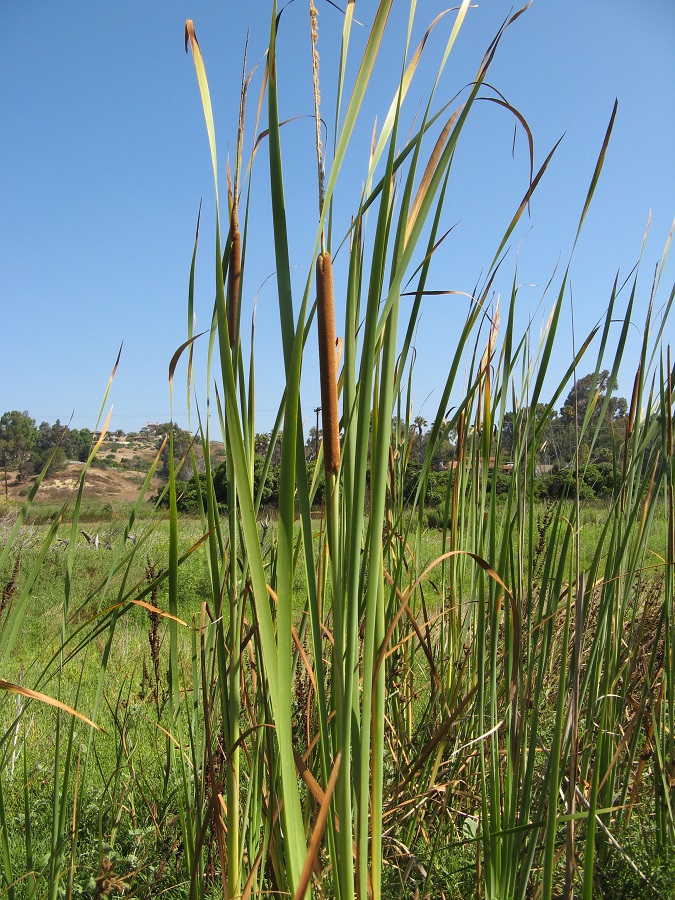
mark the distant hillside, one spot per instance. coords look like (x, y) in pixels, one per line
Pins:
(101, 484)
(117, 474)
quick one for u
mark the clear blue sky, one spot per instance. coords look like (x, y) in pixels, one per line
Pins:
(105, 160)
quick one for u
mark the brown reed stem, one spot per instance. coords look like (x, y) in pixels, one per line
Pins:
(235, 277)
(325, 308)
(235, 249)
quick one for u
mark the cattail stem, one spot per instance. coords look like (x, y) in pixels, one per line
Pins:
(235, 275)
(325, 307)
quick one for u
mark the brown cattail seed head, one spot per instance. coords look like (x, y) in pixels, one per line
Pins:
(233, 283)
(325, 308)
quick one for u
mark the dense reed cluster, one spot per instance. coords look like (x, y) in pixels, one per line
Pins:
(359, 707)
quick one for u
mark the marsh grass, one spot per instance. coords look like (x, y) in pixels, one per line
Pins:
(355, 706)
(130, 712)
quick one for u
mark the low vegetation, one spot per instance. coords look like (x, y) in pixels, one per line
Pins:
(331, 695)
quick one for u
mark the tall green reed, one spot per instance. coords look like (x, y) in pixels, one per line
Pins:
(497, 641)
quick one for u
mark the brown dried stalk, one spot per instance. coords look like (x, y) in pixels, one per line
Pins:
(235, 276)
(325, 308)
(10, 588)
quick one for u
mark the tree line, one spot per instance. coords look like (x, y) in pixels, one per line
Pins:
(27, 447)
(558, 449)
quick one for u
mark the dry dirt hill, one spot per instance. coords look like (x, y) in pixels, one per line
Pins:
(100, 484)
(121, 482)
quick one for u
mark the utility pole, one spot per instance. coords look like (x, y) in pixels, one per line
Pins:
(317, 410)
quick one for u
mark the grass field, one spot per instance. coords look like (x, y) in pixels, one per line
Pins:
(128, 805)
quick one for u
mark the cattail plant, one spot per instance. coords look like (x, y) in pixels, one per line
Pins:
(234, 275)
(325, 311)
(511, 596)
(325, 300)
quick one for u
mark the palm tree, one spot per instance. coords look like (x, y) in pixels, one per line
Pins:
(419, 423)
